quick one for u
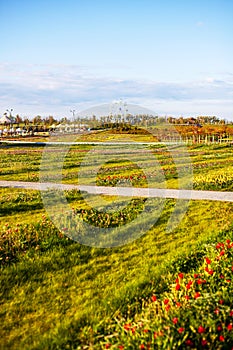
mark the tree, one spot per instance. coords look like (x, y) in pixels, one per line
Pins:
(50, 120)
(64, 120)
(37, 120)
(26, 121)
(18, 119)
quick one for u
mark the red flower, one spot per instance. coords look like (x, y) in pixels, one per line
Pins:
(221, 338)
(216, 311)
(180, 275)
(178, 286)
(142, 346)
(187, 297)
(204, 342)
(197, 295)
(208, 261)
(222, 252)
(219, 328)
(201, 329)
(178, 304)
(145, 330)
(231, 313)
(153, 298)
(133, 329)
(195, 275)
(220, 245)
(221, 301)
(166, 301)
(188, 286)
(127, 326)
(228, 241)
(229, 327)
(175, 320)
(167, 307)
(210, 272)
(107, 346)
(200, 281)
(181, 330)
(189, 342)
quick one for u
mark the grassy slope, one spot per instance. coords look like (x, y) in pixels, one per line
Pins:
(48, 291)
(56, 294)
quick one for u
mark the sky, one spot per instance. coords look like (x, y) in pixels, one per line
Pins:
(174, 57)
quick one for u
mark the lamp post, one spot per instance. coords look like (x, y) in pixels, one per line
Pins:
(10, 112)
(73, 114)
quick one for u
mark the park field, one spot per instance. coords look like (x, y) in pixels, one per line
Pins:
(159, 289)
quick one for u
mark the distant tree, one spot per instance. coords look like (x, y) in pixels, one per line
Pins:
(205, 119)
(26, 121)
(37, 120)
(161, 120)
(180, 120)
(49, 120)
(64, 120)
(171, 120)
(18, 119)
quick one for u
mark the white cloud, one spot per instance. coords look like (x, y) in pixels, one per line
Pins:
(48, 89)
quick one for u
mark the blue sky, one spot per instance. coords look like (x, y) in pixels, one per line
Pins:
(174, 56)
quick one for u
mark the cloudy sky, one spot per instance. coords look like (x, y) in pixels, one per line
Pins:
(173, 56)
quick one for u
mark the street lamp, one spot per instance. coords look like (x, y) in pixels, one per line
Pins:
(10, 115)
(10, 112)
(73, 114)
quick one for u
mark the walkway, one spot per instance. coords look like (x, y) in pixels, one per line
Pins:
(71, 143)
(126, 191)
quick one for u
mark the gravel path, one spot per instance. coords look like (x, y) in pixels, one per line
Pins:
(126, 191)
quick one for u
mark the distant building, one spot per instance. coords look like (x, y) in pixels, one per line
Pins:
(5, 120)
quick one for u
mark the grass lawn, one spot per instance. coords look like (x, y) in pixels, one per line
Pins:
(59, 294)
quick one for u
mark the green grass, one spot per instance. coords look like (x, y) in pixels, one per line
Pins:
(24, 164)
(59, 294)
(56, 288)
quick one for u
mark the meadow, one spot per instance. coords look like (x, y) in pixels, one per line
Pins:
(163, 290)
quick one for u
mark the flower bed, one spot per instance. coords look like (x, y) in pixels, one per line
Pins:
(196, 312)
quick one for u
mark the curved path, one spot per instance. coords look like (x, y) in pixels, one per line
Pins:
(126, 191)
